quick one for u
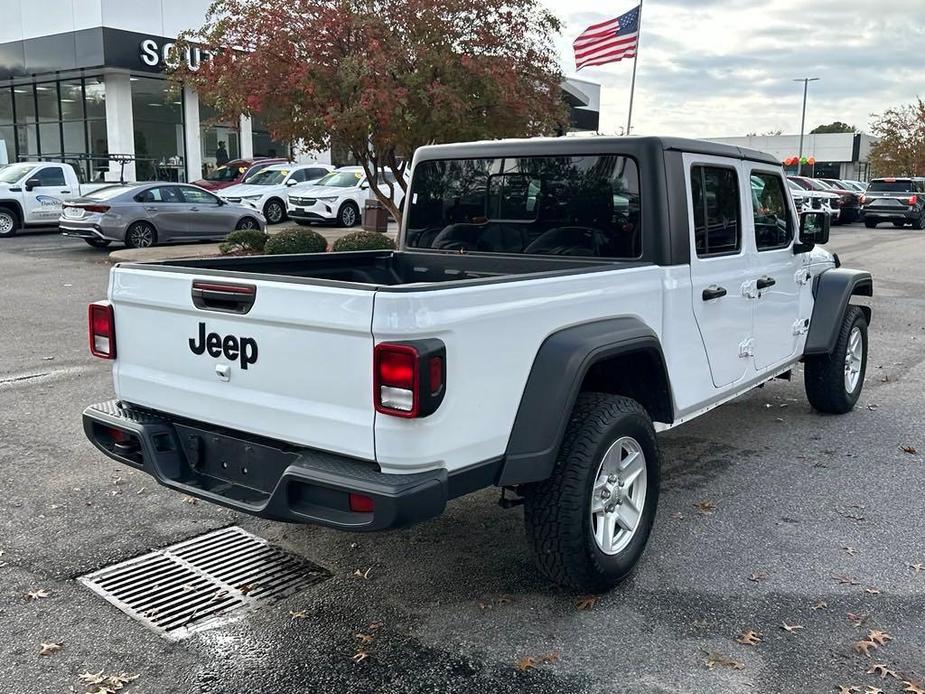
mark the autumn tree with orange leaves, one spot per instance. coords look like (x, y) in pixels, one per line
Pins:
(382, 77)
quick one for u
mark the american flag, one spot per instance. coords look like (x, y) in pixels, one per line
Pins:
(608, 42)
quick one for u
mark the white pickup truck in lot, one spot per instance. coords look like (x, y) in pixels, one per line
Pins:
(553, 304)
(31, 193)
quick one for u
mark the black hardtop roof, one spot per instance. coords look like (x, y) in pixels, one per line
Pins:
(898, 178)
(598, 144)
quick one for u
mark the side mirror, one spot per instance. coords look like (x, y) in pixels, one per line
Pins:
(33, 183)
(365, 186)
(291, 182)
(814, 229)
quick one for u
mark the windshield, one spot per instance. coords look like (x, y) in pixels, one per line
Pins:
(226, 173)
(14, 172)
(581, 206)
(341, 179)
(890, 186)
(268, 177)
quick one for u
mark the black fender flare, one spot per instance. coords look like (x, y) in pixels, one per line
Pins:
(832, 292)
(559, 369)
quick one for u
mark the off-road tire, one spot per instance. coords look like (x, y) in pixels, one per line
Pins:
(343, 215)
(274, 211)
(557, 511)
(824, 375)
(9, 222)
(132, 239)
(97, 243)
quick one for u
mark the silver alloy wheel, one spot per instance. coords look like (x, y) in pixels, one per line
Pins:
(854, 358)
(247, 223)
(7, 223)
(618, 496)
(141, 236)
(274, 212)
(348, 216)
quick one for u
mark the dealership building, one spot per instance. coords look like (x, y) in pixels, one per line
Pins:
(86, 78)
(837, 155)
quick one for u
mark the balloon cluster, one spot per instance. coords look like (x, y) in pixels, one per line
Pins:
(805, 161)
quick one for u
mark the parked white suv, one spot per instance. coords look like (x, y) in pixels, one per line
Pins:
(553, 304)
(339, 197)
(266, 190)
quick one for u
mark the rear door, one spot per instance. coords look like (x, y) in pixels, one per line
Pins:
(777, 276)
(295, 367)
(721, 266)
(166, 209)
(42, 204)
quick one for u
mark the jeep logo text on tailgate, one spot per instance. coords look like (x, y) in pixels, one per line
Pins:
(233, 348)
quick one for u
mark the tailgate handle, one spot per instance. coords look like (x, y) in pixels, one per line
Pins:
(227, 298)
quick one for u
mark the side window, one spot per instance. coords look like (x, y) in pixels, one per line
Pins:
(51, 176)
(162, 194)
(717, 217)
(198, 197)
(300, 176)
(773, 226)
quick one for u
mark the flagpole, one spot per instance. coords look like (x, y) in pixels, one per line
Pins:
(629, 120)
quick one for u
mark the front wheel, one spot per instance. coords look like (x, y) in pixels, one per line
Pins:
(349, 215)
(834, 381)
(870, 223)
(590, 521)
(274, 212)
(246, 223)
(9, 222)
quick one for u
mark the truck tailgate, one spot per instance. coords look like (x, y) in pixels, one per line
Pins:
(297, 366)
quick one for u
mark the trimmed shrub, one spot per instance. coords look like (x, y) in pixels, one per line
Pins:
(244, 242)
(364, 241)
(296, 241)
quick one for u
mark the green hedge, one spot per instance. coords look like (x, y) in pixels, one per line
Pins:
(363, 241)
(296, 241)
(244, 242)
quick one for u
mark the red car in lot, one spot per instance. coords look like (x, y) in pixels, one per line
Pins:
(234, 172)
(848, 203)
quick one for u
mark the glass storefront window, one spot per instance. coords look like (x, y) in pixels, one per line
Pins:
(6, 106)
(7, 144)
(95, 93)
(220, 140)
(96, 134)
(27, 140)
(264, 144)
(72, 100)
(47, 101)
(25, 103)
(159, 133)
(50, 139)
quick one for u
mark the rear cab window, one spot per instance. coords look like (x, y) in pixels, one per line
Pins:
(891, 185)
(577, 206)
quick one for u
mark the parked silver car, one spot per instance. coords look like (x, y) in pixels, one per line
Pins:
(142, 215)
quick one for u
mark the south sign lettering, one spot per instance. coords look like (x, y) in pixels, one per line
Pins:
(165, 56)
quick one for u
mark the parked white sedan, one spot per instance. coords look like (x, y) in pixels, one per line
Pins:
(266, 190)
(339, 197)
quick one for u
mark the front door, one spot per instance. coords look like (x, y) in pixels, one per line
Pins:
(780, 275)
(206, 217)
(721, 266)
(166, 209)
(43, 202)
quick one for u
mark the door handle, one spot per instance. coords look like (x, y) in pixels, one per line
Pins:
(714, 292)
(765, 283)
(65, 191)
(150, 209)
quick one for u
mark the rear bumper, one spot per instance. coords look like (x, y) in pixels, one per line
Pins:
(262, 477)
(890, 214)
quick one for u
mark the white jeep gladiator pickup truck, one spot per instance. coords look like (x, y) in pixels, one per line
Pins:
(31, 193)
(553, 304)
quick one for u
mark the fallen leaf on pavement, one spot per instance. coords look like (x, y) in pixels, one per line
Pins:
(879, 637)
(705, 507)
(821, 605)
(791, 628)
(39, 594)
(749, 638)
(846, 580)
(92, 678)
(882, 670)
(550, 658)
(364, 638)
(758, 576)
(50, 648)
(873, 690)
(363, 574)
(191, 500)
(360, 656)
(872, 590)
(914, 687)
(848, 690)
(857, 619)
(910, 450)
(718, 659)
(917, 568)
(851, 550)
(300, 614)
(863, 647)
(587, 602)
(528, 662)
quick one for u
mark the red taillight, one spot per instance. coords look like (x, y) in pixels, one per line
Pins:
(863, 200)
(102, 209)
(102, 330)
(409, 378)
(360, 503)
(397, 375)
(914, 200)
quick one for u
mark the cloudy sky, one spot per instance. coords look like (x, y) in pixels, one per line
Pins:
(724, 67)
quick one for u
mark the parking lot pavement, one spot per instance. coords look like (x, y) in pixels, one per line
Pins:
(770, 515)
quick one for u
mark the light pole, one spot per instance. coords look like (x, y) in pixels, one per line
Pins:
(805, 81)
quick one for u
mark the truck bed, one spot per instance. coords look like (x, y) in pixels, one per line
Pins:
(389, 270)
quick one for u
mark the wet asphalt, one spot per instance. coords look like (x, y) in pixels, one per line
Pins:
(815, 523)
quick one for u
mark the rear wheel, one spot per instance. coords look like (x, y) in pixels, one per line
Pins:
(140, 235)
(9, 222)
(834, 381)
(349, 215)
(274, 211)
(919, 223)
(899, 225)
(590, 521)
(246, 223)
(870, 223)
(97, 243)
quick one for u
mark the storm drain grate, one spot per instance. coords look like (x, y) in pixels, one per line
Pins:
(203, 582)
